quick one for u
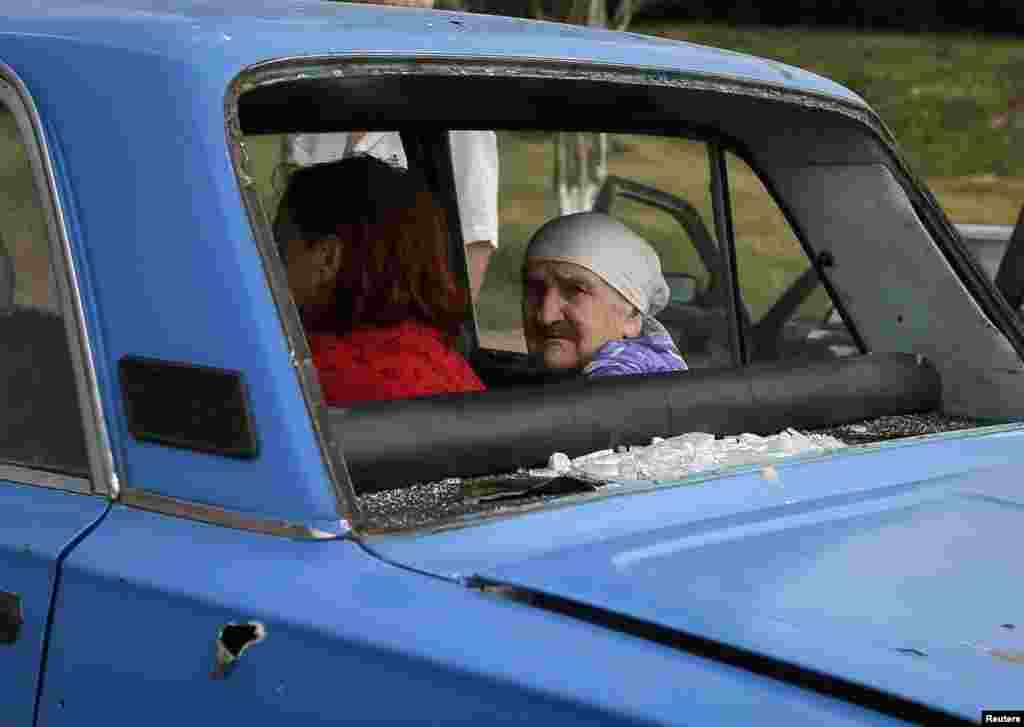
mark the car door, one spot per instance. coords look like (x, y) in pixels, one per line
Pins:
(46, 496)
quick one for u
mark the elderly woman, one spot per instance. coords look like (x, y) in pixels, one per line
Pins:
(368, 268)
(592, 287)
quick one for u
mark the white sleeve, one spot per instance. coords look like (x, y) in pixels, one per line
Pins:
(475, 166)
(306, 149)
(298, 149)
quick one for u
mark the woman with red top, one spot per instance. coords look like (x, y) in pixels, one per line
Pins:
(369, 272)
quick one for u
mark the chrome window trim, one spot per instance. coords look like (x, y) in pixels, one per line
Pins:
(300, 357)
(15, 95)
(42, 478)
(370, 63)
(189, 510)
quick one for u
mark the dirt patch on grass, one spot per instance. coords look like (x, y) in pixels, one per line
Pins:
(984, 199)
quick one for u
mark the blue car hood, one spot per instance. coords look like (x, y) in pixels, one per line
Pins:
(915, 592)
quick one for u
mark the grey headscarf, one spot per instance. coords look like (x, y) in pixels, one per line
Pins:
(613, 252)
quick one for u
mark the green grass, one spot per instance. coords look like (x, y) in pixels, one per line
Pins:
(938, 93)
(264, 155)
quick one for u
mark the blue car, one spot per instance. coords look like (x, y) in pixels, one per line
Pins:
(191, 534)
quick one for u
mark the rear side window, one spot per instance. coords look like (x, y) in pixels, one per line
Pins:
(41, 421)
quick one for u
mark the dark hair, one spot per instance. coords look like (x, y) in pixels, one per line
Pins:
(395, 244)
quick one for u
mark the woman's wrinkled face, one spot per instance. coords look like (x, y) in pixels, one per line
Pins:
(569, 312)
(313, 269)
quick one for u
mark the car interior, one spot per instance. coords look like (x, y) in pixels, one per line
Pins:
(528, 409)
(759, 316)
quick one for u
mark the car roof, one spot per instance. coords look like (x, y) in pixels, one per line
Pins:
(221, 37)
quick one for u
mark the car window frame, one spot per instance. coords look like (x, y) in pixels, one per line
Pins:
(358, 66)
(102, 479)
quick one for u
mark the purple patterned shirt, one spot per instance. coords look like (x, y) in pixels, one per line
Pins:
(652, 354)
